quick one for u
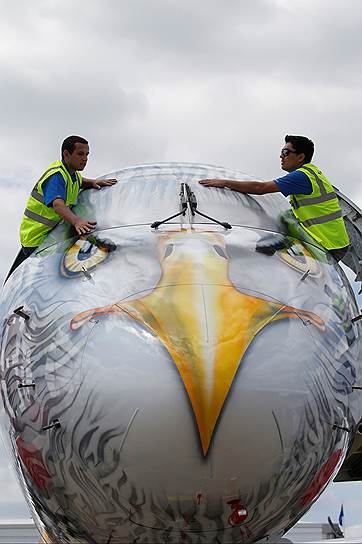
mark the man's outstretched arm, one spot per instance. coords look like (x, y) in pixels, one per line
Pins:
(82, 226)
(251, 187)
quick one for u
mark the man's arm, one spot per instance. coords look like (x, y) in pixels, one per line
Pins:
(81, 226)
(97, 183)
(251, 187)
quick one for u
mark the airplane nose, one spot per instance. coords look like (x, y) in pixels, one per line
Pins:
(164, 393)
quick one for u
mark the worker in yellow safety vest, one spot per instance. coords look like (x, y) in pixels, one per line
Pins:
(54, 194)
(312, 197)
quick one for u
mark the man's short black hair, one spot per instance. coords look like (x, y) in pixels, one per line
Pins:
(301, 144)
(69, 143)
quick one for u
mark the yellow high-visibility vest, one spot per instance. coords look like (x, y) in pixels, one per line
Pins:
(320, 213)
(39, 219)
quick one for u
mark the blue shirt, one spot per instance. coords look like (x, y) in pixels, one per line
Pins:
(55, 187)
(295, 183)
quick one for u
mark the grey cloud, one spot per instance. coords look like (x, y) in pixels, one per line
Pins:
(236, 37)
(115, 117)
(295, 39)
(97, 102)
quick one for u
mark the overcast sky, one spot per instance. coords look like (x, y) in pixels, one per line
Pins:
(216, 81)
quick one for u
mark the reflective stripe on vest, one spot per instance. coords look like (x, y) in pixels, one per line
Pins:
(319, 213)
(40, 198)
(37, 196)
(46, 174)
(324, 196)
(321, 186)
(322, 219)
(40, 218)
(314, 200)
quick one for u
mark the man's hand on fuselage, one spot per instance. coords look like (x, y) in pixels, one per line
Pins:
(97, 183)
(213, 183)
(82, 226)
(251, 187)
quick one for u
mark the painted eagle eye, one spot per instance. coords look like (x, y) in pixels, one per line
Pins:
(86, 252)
(300, 258)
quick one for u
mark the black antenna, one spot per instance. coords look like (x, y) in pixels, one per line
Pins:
(183, 204)
(193, 207)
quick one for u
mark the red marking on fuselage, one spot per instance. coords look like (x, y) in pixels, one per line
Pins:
(321, 479)
(238, 512)
(32, 460)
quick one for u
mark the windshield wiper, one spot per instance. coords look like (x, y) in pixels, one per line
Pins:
(193, 207)
(183, 204)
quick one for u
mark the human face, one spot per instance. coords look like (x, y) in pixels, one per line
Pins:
(78, 159)
(290, 159)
